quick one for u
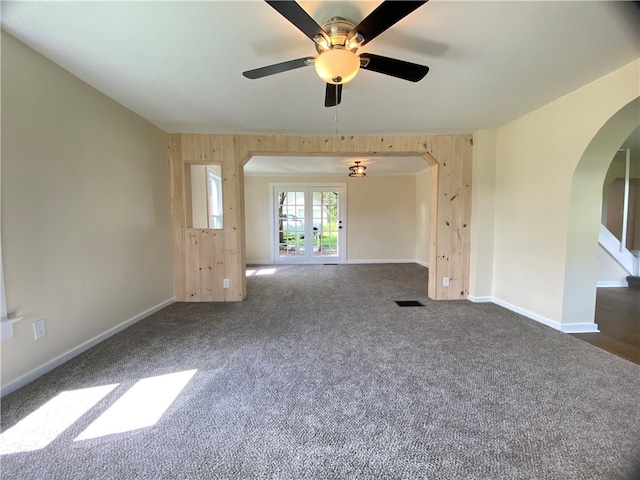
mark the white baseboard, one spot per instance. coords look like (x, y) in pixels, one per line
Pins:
(580, 328)
(533, 316)
(614, 284)
(56, 362)
(480, 299)
(413, 260)
(419, 262)
(566, 328)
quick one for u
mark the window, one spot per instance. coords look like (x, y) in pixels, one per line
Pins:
(214, 193)
(204, 190)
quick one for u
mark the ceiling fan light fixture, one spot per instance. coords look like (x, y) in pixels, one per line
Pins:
(337, 66)
(355, 42)
(322, 42)
(357, 170)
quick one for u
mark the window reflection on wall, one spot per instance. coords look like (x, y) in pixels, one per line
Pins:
(206, 196)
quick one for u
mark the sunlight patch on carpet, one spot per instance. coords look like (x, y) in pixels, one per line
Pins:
(266, 271)
(263, 271)
(43, 426)
(141, 406)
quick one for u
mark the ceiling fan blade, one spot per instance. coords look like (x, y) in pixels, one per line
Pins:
(412, 72)
(293, 12)
(278, 68)
(333, 95)
(384, 16)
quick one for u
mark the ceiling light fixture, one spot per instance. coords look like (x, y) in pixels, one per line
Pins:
(357, 170)
(355, 42)
(337, 66)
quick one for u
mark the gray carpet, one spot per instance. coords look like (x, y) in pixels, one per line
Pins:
(319, 374)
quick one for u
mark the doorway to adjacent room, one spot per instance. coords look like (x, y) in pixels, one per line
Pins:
(308, 223)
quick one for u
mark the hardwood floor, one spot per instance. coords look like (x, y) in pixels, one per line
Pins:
(618, 319)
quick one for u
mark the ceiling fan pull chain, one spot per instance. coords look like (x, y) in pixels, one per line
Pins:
(336, 115)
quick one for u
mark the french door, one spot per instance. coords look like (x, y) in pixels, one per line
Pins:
(309, 223)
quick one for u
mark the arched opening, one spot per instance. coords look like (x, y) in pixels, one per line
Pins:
(585, 202)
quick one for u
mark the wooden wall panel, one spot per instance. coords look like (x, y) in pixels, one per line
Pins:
(233, 219)
(467, 175)
(204, 260)
(456, 288)
(192, 266)
(433, 235)
(443, 219)
(432, 145)
(210, 264)
(221, 253)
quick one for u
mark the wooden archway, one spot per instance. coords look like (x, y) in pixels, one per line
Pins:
(203, 258)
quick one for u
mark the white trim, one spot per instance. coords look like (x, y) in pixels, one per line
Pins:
(480, 299)
(354, 262)
(412, 260)
(580, 328)
(56, 362)
(272, 221)
(608, 284)
(612, 245)
(6, 327)
(308, 188)
(565, 328)
(533, 316)
(625, 200)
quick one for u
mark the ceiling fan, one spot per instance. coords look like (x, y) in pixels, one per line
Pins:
(336, 43)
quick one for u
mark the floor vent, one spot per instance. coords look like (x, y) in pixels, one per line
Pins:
(409, 303)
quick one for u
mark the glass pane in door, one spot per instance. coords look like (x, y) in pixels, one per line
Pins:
(326, 223)
(309, 226)
(290, 224)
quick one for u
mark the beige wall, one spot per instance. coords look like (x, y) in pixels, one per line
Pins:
(257, 217)
(381, 219)
(381, 216)
(483, 214)
(423, 216)
(535, 221)
(86, 230)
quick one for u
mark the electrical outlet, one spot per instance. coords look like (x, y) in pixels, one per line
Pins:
(225, 283)
(445, 281)
(39, 329)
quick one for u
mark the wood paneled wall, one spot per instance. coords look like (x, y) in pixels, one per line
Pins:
(203, 258)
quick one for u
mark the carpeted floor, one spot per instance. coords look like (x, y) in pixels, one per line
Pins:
(319, 374)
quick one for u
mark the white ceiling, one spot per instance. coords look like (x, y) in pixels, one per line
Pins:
(179, 64)
(331, 166)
